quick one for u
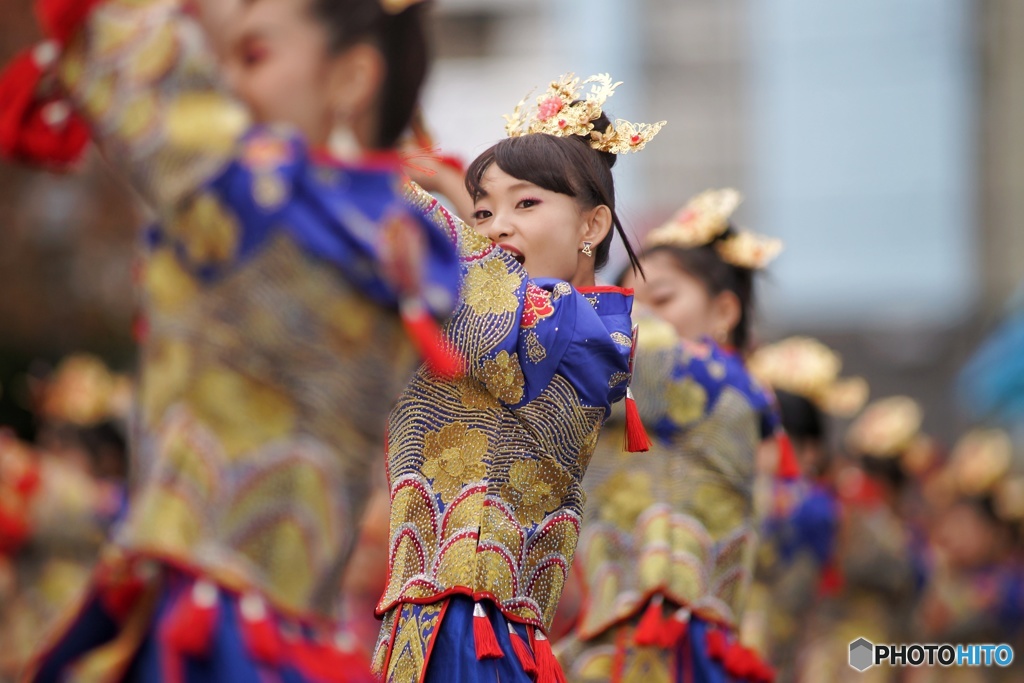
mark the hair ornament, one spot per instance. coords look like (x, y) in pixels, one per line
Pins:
(749, 250)
(564, 111)
(398, 6)
(807, 368)
(705, 219)
(980, 460)
(886, 428)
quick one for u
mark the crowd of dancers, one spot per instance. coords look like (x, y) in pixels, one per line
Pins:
(374, 391)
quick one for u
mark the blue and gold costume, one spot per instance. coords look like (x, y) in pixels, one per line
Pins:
(667, 548)
(485, 473)
(274, 351)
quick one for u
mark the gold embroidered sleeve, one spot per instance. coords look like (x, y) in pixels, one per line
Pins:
(140, 72)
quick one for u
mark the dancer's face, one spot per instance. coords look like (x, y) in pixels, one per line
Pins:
(282, 66)
(544, 230)
(683, 301)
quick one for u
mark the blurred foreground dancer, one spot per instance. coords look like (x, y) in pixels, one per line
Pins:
(277, 284)
(485, 473)
(666, 549)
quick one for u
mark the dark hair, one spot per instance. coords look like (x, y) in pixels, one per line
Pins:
(805, 425)
(402, 41)
(566, 165)
(705, 264)
(887, 470)
(800, 417)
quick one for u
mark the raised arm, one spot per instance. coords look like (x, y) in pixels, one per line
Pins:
(141, 73)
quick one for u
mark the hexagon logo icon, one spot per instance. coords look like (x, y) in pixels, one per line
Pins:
(861, 654)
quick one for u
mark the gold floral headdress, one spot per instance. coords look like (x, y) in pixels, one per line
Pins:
(980, 459)
(807, 368)
(704, 220)
(562, 110)
(887, 428)
(398, 6)
(83, 392)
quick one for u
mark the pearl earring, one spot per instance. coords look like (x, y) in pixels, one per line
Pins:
(342, 142)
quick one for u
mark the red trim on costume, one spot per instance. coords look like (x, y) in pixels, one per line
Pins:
(376, 160)
(391, 646)
(430, 645)
(458, 590)
(605, 289)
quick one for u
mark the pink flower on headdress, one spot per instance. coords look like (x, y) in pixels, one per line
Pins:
(686, 216)
(549, 107)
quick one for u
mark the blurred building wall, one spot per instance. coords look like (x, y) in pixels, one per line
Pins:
(1001, 210)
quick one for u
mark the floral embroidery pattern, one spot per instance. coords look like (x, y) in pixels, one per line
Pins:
(535, 488)
(503, 377)
(209, 232)
(622, 339)
(686, 401)
(537, 306)
(490, 288)
(623, 497)
(454, 457)
(535, 351)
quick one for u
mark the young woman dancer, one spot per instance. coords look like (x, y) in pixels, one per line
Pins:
(274, 345)
(485, 473)
(667, 542)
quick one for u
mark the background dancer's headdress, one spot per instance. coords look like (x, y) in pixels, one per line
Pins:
(887, 428)
(563, 110)
(398, 6)
(805, 367)
(705, 220)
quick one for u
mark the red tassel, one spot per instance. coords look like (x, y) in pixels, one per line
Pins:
(189, 627)
(62, 18)
(14, 531)
(732, 660)
(831, 580)
(322, 662)
(38, 127)
(548, 669)
(637, 440)
(526, 659)
(788, 466)
(746, 663)
(120, 597)
(28, 483)
(430, 342)
(483, 635)
(716, 644)
(650, 631)
(676, 628)
(259, 631)
(765, 673)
